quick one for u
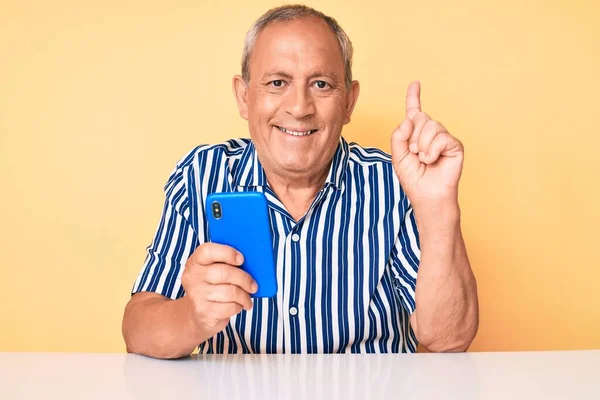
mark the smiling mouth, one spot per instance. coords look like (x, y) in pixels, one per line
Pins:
(296, 133)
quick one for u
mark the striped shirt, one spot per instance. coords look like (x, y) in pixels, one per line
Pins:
(346, 271)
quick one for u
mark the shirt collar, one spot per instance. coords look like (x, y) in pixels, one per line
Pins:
(339, 165)
(249, 171)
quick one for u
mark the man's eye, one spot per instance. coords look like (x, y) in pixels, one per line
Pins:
(277, 83)
(322, 84)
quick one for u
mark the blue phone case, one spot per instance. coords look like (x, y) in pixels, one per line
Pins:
(244, 225)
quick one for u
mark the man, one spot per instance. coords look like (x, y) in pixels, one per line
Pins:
(344, 219)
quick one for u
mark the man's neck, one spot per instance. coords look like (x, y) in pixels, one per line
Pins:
(297, 192)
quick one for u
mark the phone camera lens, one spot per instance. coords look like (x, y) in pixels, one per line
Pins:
(216, 210)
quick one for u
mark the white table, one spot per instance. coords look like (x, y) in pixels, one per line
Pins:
(526, 375)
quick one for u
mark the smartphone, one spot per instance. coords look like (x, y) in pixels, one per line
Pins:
(241, 220)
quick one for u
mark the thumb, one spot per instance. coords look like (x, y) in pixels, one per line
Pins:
(400, 138)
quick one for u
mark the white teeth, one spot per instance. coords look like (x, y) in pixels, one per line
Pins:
(294, 133)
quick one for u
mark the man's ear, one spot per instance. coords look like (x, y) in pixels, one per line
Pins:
(351, 98)
(240, 91)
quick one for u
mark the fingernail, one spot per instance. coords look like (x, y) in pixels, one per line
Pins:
(254, 287)
(413, 148)
(240, 259)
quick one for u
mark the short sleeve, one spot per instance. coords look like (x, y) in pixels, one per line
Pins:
(404, 260)
(174, 241)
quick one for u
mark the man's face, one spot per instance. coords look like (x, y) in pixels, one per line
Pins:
(296, 101)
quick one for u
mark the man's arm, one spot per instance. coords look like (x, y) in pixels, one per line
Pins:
(428, 161)
(447, 312)
(159, 327)
(216, 289)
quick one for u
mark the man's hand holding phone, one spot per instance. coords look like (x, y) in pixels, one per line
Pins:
(216, 287)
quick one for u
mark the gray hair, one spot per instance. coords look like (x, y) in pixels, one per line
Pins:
(289, 13)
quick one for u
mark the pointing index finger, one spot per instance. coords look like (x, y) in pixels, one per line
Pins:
(413, 99)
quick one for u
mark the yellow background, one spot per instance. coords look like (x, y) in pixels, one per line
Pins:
(99, 99)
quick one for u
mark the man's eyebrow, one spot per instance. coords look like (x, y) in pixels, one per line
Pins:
(276, 74)
(325, 73)
(281, 74)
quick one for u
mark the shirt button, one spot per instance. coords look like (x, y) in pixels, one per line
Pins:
(295, 237)
(293, 311)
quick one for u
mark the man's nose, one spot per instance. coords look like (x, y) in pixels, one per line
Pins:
(300, 103)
